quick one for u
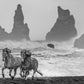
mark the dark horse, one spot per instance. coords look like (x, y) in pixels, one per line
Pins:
(29, 63)
(10, 62)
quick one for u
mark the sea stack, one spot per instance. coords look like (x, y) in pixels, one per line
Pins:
(3, 34)
(64, 28)
(20, 29)
(79, 43)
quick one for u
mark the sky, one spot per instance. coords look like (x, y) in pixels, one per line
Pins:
(40, 15)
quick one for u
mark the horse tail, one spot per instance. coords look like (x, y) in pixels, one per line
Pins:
(39, 73)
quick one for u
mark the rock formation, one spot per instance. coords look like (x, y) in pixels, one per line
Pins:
(3, 34)
(79, 43)
(51, 45)
(20, 30)
(64, 28)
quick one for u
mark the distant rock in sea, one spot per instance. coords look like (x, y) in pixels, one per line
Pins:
(51, 45)
(64, 28)
(20, 29)
(79, 43)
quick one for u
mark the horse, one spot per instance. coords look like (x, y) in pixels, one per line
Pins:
(29, 63)
(10, 62)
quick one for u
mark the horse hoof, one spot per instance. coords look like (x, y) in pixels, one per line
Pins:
(3, 76)
(23, 78)
(12, 77)
(32, 78)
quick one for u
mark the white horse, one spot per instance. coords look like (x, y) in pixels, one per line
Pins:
(10, 62)
(29, 63)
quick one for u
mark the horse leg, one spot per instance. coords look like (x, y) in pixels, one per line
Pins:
(26, 74)
(14, 72)
(10, 73)
(21, 71)
(3, 72)
(34, 71)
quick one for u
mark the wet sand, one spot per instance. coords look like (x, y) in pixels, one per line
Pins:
(45, 80)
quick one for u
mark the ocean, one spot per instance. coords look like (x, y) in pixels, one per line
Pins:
(52, 62)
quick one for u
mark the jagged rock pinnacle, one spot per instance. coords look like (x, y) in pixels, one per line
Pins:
(64, 28)
(20, 29)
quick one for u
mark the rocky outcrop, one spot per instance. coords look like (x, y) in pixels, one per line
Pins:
(50, 45)
(20, 29)
(79, 43)
(3, 35)
(64, 28)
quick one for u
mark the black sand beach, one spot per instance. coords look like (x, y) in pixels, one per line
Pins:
(45, 80)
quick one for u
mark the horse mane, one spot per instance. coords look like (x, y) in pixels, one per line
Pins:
(10, 57)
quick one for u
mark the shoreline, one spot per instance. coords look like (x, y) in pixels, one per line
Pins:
(45, 80)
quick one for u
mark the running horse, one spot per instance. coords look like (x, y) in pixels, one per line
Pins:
(29, 63)
(10, 62)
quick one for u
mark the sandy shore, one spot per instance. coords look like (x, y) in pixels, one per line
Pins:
(45, 80)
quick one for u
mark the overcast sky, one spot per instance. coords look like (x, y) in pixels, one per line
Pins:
(40, 14)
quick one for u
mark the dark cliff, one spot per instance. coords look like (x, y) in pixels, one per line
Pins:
(20, 29)
(64, 28)
(3, 35)
(79, 43)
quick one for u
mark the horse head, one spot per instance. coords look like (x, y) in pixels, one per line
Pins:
(5, 53)
(8, 50)
(25, 53)
(28, 53)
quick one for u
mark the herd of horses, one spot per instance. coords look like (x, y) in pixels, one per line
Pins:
(25, 63)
